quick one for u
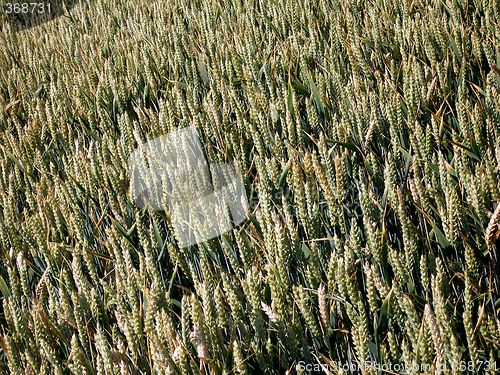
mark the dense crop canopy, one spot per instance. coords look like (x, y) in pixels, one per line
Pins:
(367, 134)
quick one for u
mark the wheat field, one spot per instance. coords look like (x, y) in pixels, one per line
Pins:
(368, 137)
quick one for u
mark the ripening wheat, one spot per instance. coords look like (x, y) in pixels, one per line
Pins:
(368, 137)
